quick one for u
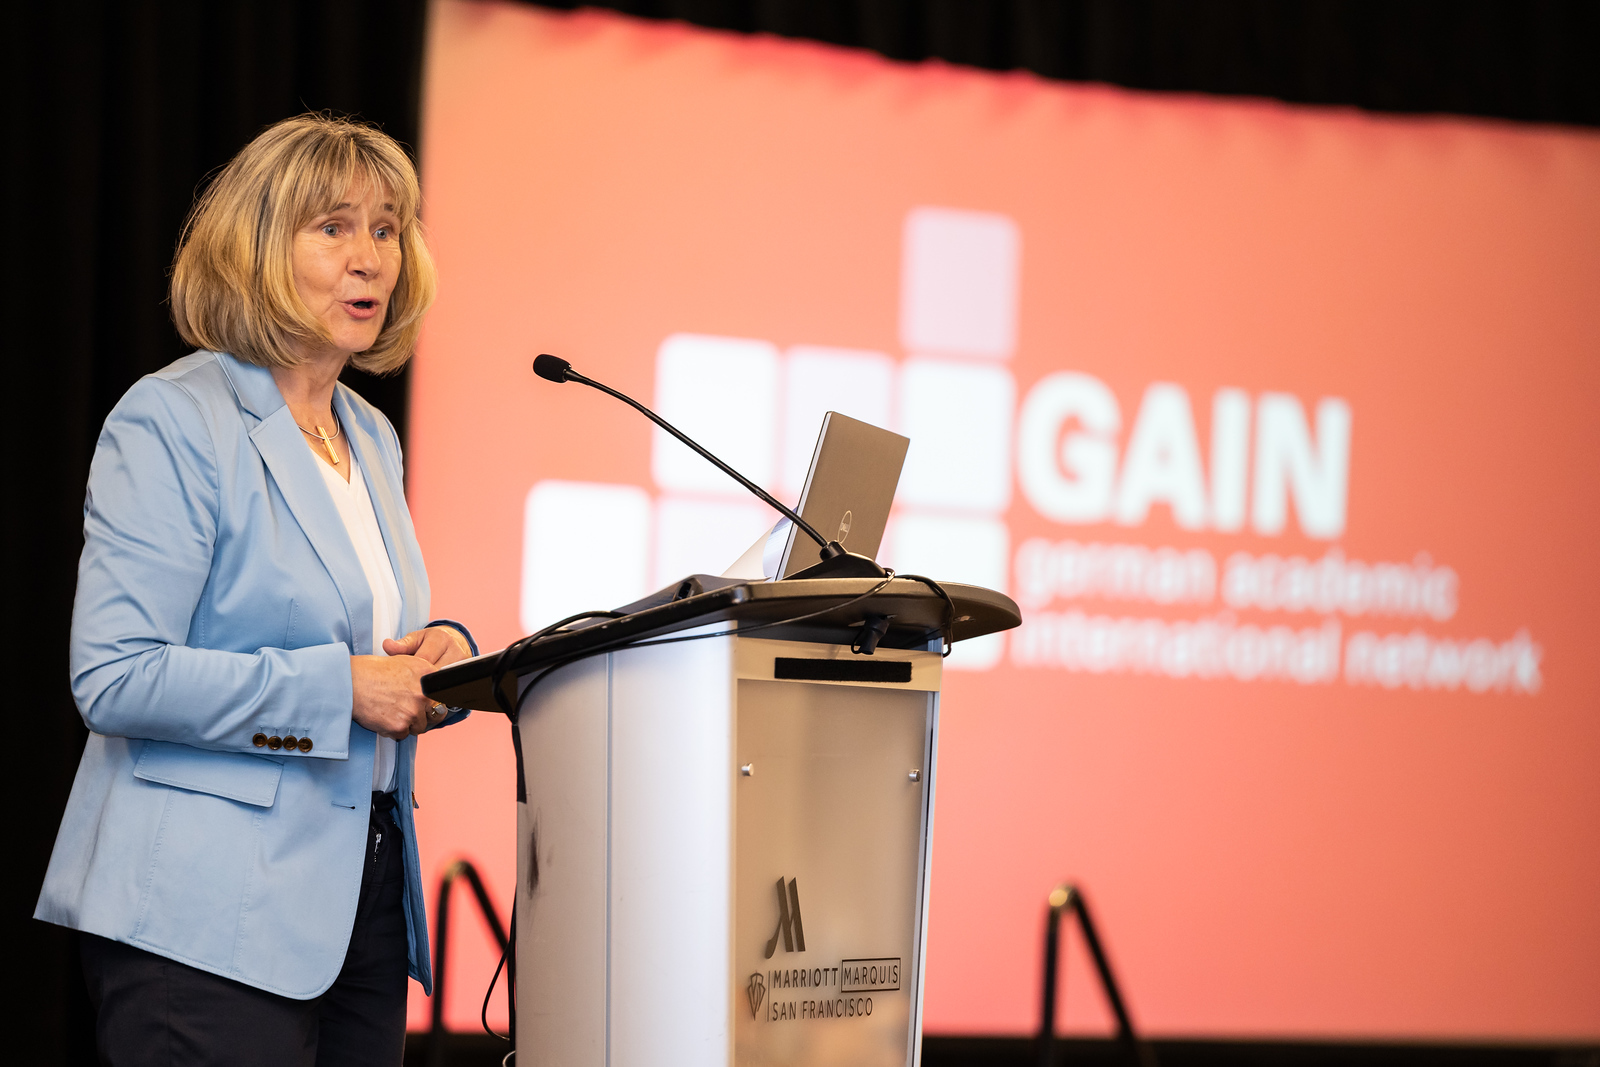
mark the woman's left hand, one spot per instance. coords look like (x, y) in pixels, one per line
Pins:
(439, 645)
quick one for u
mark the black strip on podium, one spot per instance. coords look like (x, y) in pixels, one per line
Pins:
(841, 670)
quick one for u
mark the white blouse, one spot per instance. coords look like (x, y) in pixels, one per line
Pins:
(361, 522)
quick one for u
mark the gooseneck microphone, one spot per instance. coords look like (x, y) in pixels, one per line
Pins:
(837, 562)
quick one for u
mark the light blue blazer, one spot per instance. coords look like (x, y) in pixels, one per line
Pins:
(219, 597)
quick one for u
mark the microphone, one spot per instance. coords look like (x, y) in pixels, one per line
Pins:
(837, 562)
(551, 368)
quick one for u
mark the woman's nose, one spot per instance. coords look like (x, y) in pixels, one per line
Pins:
(364, 256)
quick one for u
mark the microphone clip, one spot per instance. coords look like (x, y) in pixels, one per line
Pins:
(873, 627)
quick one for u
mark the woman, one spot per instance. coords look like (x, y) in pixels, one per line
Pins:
(248, 639)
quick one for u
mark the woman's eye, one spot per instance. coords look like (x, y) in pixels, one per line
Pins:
(331, 229)
(382, 233)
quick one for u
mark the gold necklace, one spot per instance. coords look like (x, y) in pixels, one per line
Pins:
(326, 438)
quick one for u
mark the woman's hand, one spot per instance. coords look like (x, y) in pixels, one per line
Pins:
(388, 693)
(439, 645)
(388, 688)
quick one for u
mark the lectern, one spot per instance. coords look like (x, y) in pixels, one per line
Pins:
(724, 825)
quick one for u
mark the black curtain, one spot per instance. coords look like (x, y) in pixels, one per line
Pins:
(117, 110)
(115, 113)
(1533, 60)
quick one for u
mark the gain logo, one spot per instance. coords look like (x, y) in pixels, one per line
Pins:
(789, 928)
(756, 990)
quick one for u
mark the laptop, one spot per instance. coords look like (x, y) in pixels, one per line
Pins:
(848, 492)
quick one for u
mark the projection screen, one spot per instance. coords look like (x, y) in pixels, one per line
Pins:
(1278, 423)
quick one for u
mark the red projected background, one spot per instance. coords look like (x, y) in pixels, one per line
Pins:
(1277, 422)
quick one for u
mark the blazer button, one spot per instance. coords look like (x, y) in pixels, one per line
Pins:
(304, 744)
(274, 742)
(259, 740)
(289, 741)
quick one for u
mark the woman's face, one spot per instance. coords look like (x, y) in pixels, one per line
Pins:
(346, 263)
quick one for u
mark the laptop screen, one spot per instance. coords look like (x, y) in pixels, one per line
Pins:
(848, 490)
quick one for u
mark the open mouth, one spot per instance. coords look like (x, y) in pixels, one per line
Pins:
(364, 305)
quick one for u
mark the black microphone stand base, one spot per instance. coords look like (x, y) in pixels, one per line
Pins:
(843, 565)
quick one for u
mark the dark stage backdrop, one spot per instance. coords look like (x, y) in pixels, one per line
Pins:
(1518, 59)
(115, 113)
(116, 110)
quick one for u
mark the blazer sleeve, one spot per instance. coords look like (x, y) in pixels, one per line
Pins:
(456, 714)
(150, 524)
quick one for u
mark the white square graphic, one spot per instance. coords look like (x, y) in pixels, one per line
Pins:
(958, 282)
(819, 380)
(723, 393)
(699, 536)
(954, 548)
(945, 548)
(585, 546)
(958, 416)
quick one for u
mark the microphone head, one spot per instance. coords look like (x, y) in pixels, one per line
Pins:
(551, 368)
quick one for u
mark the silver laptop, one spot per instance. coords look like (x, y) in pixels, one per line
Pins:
(848, 492)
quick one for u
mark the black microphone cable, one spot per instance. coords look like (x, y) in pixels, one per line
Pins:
(483, 1013)
(738, 631)
(502, 663)
(946, 630)
(508, 655)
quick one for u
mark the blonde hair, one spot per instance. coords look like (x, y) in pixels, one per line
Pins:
(233, 279)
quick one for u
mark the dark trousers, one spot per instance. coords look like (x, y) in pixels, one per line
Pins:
(156, 1012)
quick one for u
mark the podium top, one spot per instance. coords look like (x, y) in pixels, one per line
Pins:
(833, 610)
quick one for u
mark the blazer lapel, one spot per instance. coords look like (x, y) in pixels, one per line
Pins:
(294, 469)
(388, 503)
(399, 540)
